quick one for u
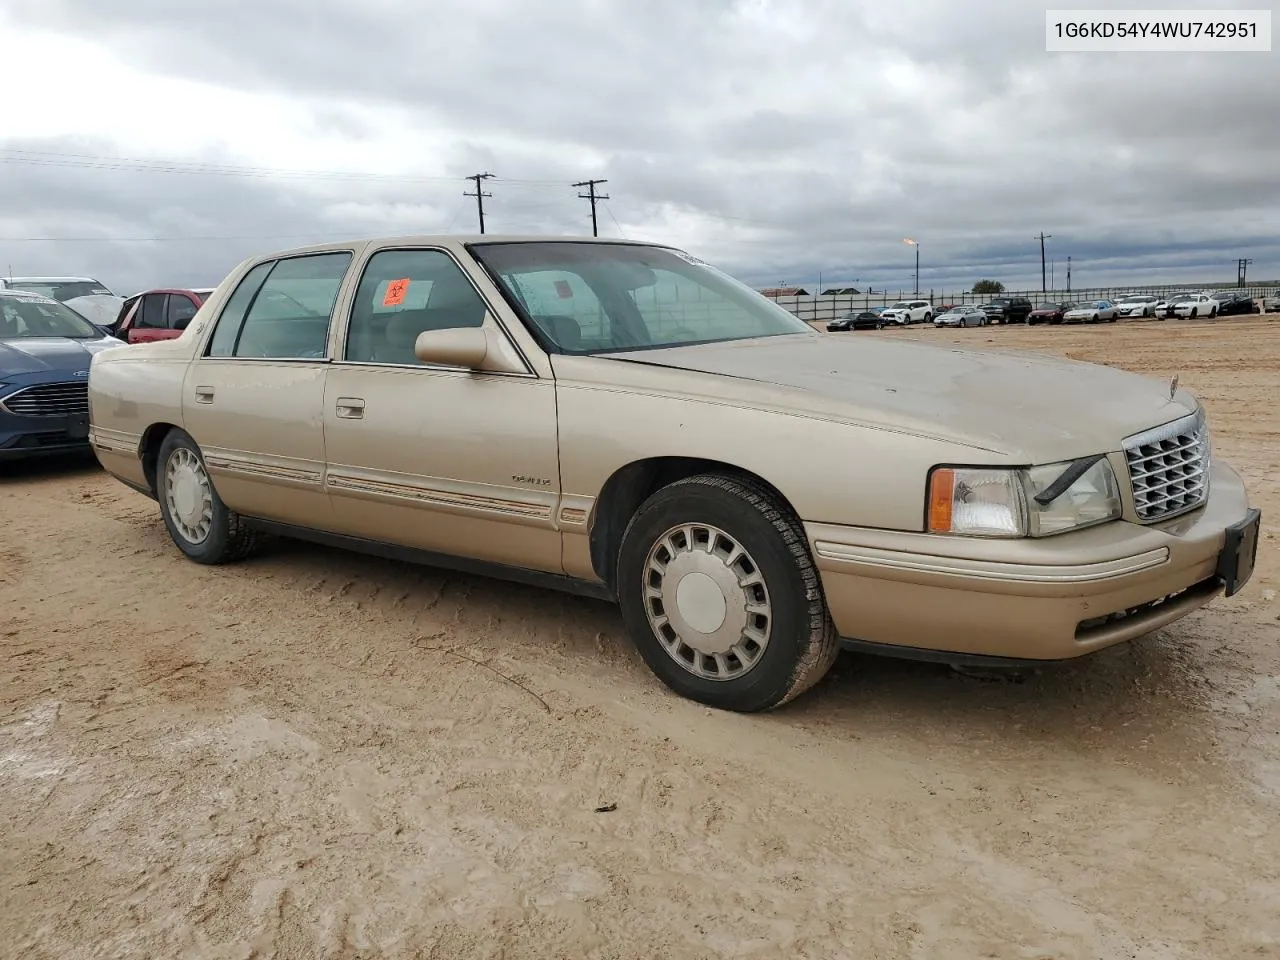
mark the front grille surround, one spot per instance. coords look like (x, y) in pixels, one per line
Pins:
(1169, 468)
(61, 399)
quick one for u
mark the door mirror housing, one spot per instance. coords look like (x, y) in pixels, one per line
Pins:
(475, 348)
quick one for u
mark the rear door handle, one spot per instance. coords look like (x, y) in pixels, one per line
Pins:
(204, 394)
(350, 408)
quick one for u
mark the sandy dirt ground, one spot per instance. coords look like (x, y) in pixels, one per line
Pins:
(316, 754)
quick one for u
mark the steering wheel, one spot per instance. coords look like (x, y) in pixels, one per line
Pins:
(684, 333)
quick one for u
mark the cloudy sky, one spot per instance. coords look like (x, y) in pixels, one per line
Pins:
(158, 142)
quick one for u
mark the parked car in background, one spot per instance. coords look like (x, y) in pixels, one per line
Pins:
(57, 288)
(1049, 312)
(909, 311)
(1091, 311)
(1165, 307)
(457, 401)
(1271, 302)
(1008, 309)
(1138, 305)
(100, 309)
(858, 320)
(1234, 302)
(45, 349)
(1196, 305)
(158, 314)
(962, 317)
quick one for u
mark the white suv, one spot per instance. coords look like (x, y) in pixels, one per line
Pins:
(909, 311)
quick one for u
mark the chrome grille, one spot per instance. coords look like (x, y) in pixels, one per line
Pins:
(49, 400)
(1169, 468)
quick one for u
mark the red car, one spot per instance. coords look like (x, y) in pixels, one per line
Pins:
(157, 314)
(1049, 313)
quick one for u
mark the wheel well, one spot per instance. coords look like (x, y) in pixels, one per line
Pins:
(149, 450)
(632, 485)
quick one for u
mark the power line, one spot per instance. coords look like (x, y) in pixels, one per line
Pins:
(479, 194)
(1043, 237)
(594, 198)
(211, 168)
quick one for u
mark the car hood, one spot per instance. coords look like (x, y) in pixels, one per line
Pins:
(29, 355)
(1031, 408)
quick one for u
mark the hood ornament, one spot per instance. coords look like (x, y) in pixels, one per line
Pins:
(1173, 387)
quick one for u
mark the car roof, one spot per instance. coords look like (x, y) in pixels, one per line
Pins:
(49, 280)
(454, 240)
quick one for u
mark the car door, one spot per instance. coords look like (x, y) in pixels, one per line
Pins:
(150, 321)
(252, 398)
(435, 457)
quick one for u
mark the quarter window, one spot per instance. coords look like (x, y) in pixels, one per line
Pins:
(402, 294)
(224, 334)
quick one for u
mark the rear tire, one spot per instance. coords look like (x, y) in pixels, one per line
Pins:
(720, 562)
(195, 516)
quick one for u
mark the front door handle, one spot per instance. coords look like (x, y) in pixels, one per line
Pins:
(350, 408)
(204, 394)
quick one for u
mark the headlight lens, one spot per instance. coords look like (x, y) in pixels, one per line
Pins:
(1093, 498)
(985, 502)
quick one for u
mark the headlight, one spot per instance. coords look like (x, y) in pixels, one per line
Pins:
(1037, 502)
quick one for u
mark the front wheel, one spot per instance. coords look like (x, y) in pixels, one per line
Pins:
(1195, 312)
(195, 516)
(721, 597)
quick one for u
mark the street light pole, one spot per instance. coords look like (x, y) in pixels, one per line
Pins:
(917, 246)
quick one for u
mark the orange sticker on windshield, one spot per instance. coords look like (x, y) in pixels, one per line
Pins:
(396, 290)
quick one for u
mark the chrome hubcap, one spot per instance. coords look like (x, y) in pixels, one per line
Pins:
(707, 602)
(189, 495)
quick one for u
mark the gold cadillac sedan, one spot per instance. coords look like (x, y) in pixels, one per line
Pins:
(623, 420)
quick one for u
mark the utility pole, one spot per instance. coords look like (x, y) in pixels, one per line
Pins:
(1068, 274)
(917, 246)
(479, 195)
(593, 197)
(1044, 288)
(1242, 268)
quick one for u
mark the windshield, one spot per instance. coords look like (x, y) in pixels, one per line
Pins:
(57, 290)
(23, 319)
(599, 297)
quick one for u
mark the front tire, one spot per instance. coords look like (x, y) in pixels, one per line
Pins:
(721, 597)
(195, 516)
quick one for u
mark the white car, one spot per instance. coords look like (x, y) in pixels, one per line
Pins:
(61, 289)
(1091, 311)
(1196, 305)
(1271, 303)
(962, 317)
(909, 311)
(1139, 305)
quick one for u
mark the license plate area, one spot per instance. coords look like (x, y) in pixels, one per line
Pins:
(1239, 553)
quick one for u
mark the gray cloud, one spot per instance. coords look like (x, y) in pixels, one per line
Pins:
(791, 137)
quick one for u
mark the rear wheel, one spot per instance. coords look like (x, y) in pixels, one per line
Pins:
(721, 597)
(195, 516)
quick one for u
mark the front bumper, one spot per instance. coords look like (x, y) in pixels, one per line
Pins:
(25, 437)
(1034, 599)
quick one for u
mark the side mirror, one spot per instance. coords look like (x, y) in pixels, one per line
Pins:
(472, 347)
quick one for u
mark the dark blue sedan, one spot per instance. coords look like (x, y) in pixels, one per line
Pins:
(45, 349)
